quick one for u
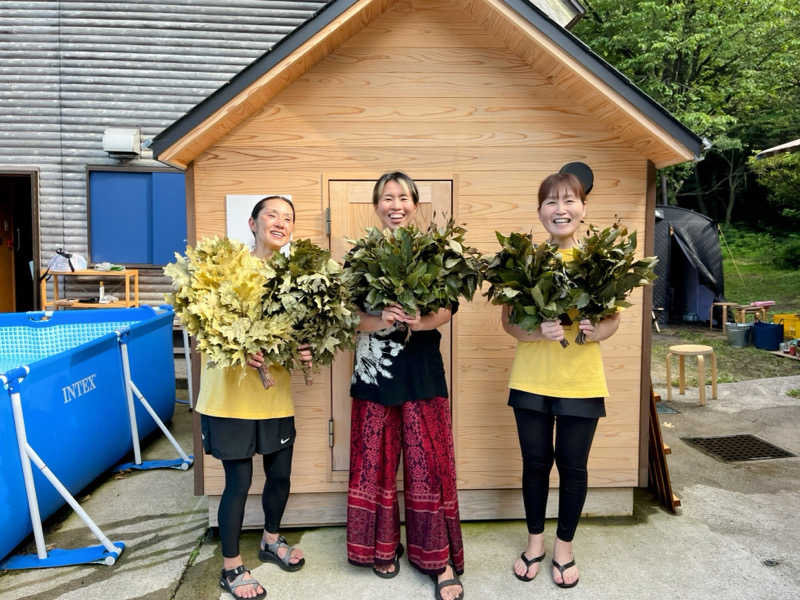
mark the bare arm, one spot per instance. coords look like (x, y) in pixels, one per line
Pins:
(369, 323)
(549, 330)
(602, 330)
(429, 321)
(517, 331)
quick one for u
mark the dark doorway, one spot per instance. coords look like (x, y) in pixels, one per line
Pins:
(19, 242)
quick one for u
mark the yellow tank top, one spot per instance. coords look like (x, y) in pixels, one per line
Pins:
(224, 394)
(547, 369)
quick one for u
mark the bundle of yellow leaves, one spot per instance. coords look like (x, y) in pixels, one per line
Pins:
(220, 298)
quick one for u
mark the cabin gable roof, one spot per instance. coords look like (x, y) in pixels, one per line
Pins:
(532, 34)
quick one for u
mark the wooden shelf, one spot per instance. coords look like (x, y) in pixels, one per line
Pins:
(130, 277)
(784, 354)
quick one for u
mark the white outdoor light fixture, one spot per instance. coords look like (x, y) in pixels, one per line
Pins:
(121, 142)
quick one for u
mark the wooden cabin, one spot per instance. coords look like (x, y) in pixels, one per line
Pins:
(478, 100)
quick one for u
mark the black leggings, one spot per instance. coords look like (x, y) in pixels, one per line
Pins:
(238, 475)
(573, 441)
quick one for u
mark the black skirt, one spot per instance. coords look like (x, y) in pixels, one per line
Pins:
(590, 408)
(231, 439)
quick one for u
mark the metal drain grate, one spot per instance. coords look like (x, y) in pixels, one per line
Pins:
(732, 448)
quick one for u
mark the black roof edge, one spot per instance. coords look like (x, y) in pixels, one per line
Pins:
(324, 16)
(573, 46)
(239, 82)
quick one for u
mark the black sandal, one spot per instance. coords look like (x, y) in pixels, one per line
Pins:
(231, 579)
(269, 553)
(529, 562)
(395, 561)
(437, 591)
(561, 569)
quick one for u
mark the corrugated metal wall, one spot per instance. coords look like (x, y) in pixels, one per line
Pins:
(70, 69)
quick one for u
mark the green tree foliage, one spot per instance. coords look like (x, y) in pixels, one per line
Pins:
(780, 174)
(728, 70)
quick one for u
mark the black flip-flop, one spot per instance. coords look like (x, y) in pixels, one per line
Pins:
(439, 585)
(561, 569)
(529, 562)
(396, 562)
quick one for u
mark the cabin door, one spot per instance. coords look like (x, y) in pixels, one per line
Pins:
(7, 276)
(351, 212)
(18, 242)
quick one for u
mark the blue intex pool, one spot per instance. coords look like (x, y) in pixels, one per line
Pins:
(73, 399)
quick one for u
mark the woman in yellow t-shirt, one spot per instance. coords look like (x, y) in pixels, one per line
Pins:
(239, 418)
(566, 386)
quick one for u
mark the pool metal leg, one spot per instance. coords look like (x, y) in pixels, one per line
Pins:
(184, 462)
(107, 553)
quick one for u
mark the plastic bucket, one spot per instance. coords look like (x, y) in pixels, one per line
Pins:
(738, 334)
(767, 336)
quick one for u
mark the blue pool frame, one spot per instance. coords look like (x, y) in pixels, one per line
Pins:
(74, 401)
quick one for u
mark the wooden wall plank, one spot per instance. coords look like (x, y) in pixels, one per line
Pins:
(352, 85)
(292, 108)
(422, 60)
(425, 157)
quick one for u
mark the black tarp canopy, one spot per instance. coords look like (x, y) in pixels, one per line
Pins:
(690, 265)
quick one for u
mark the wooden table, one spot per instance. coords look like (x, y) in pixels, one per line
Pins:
(724, 305)
(742, 311)
(130, 276)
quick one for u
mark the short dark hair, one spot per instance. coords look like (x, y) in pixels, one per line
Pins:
(260, 204)
(561, 181)
(398, 176)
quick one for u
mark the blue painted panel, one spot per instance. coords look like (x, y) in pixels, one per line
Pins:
(121, 216)
(169, 216)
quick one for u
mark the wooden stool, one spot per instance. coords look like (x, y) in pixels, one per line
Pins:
(724, 306)
(684, 350)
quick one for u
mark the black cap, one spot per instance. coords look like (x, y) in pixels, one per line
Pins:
(583, 172)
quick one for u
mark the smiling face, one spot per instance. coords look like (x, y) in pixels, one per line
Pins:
(561, 213)
(395, 205)
(273, 224)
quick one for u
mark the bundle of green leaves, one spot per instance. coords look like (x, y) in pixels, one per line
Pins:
(531, 279)
(422, 271)
(309, 286)
(604, 271)
(220, 298)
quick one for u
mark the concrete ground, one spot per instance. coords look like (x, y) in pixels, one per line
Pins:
(736, 535)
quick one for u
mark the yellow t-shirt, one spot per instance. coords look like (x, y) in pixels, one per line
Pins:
(547, 369)
(223, 394)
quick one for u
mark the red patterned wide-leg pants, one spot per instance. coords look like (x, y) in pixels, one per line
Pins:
(433, 527)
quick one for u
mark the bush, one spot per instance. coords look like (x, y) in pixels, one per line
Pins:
(780, 248)
(788, 255)
(745, 243)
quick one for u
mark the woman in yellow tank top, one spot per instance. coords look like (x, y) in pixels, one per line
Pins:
(562, 386)
(240, 418)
